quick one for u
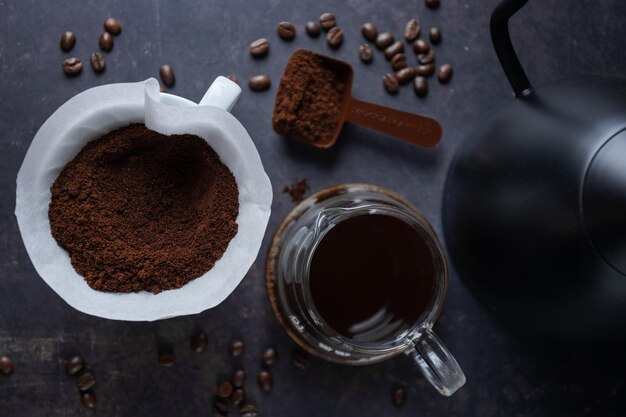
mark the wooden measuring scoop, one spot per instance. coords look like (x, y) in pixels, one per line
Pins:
(413, 128)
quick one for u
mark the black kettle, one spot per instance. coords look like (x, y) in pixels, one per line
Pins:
(534, 207)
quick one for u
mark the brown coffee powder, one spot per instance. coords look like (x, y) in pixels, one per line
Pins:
(308, 101)
(137, 210)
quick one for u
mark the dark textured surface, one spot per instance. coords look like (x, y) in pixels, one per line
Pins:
(510, 372)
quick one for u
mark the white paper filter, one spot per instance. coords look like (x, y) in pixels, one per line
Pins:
(95, 112)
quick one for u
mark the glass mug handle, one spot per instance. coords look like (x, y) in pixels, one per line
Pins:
(436, 362)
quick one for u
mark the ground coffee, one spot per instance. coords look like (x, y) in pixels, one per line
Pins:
(137, 210)
(308, 101)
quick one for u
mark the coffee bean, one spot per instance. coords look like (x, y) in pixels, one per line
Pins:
(432, 4)
(328, 21)
(445, 73)
(238, 378)
(398, 396)
(420, 46)
(113, 26)
(398, 62)
(238, 396)
(259, 48)
(369, 31)
(88, 399)
(405, 75)
(221, 405)
(167, 75)
(300, 360)
(425, 70)
(6, 365)
(225, 389)
(420, 86)
(313, 29)
(286, 30)
(435, 36)
(390, 82)
(68, 39)
(166, 359)
(237, 347)
(248, 410)
(384, 40)
(264, 378)
(198, 342)
(106, 41)
(86, 381)
(162, 89)
(365, 53)
(259, 82)
(335, 37)
(269, 356)
(74, 365)
(393, 49)
(412, 30)
(233, 78)
(72, 66)
(426, 58)
(97, 62)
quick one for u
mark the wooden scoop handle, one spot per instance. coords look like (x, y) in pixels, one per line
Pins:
(413, 128)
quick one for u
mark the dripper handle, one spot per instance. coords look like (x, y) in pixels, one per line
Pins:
(222, 93)
(413, 128)
(436, 363)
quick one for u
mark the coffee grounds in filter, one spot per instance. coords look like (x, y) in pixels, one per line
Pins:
(137, 210)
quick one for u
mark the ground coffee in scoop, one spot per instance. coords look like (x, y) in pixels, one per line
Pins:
(137, 210)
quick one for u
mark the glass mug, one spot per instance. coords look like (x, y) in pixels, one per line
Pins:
(289, 291)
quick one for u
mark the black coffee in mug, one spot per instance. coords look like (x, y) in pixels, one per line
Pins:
(371, 277)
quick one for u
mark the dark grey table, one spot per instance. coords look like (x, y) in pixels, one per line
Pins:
(510, 372)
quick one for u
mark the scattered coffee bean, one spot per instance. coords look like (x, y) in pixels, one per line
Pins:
(421, 46)
(106, 41)
(425, 70)
(300, 360)
(405, 75)
(420, 86)
(6, 365)
(335, 37)
(233, 78)
(313, 29)
(238, 378)
(72, 66)
(97, 62)
(426, 58)
(113, 26)
(74, 365)
(432, 4)
(198, 342)
(398, 62)
(68, 39)
(398, 396)
(365, 53)
(384, 40)
(393, 49)
(435, 36)
(259, 82)
(390, 82)
(88, 399)
(225, 389)
(264, 378)
(445, 73)
(259, 48)
(218, 413)
(166, 359)
(238, 396)
(286, 30)
(328, 21)
(86, 381)
(412, 30)
(237, 347)
(269, 356)
(162, 89)
(369, 31)
(221, 405)
(248, 410)
(167, 75)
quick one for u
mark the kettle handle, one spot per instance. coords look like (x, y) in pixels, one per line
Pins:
(504, 47)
